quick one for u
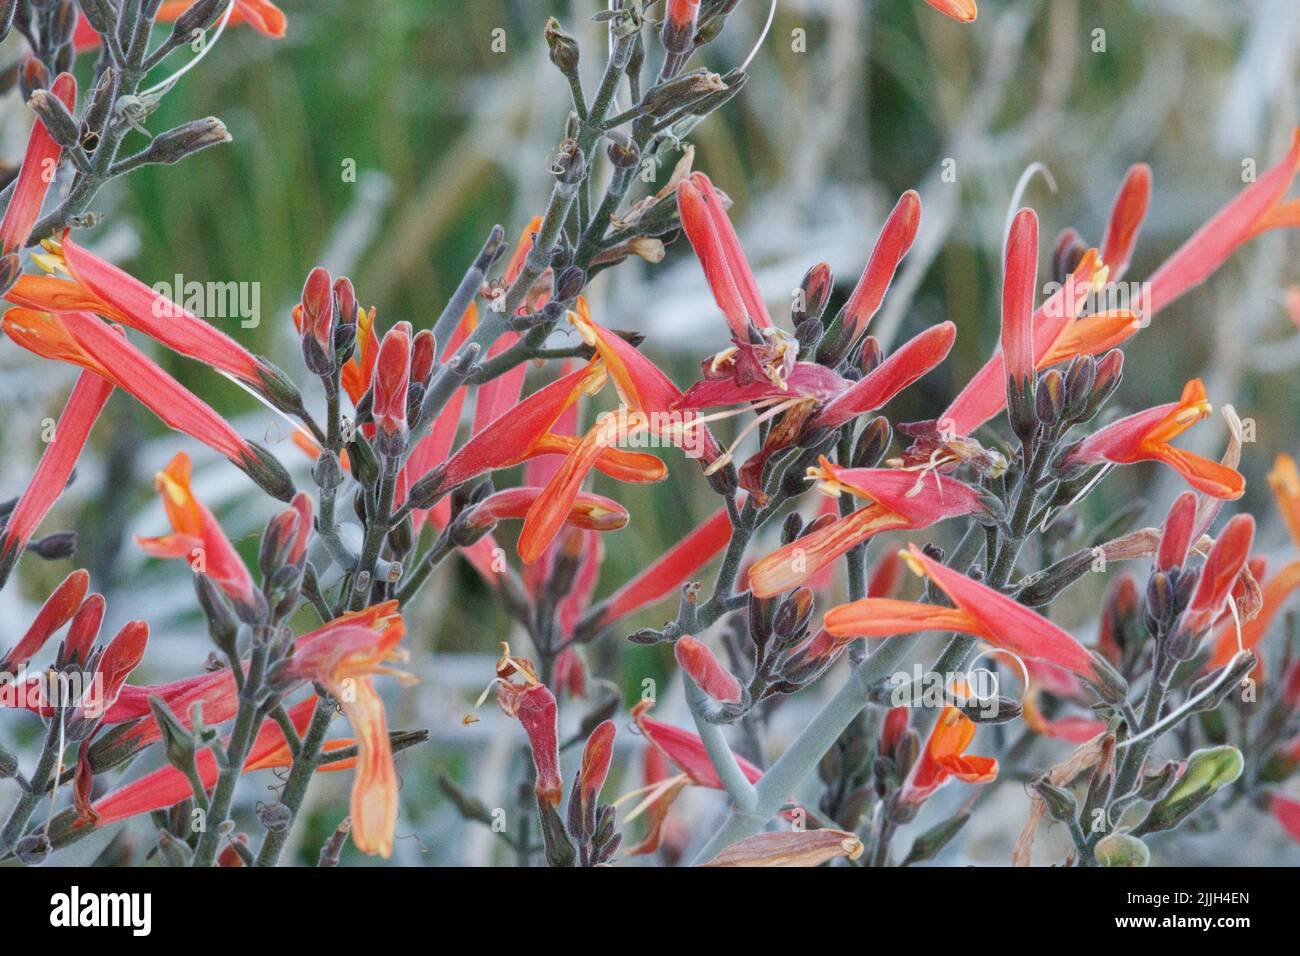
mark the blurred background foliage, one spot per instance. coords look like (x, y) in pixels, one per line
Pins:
(849, 103)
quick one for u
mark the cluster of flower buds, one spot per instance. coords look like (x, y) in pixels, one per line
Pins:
(326, 319)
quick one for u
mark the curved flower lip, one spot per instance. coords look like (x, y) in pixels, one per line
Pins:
(1126, 217)
(664, 575)
(57, 461)
(34, 176)
(896, 238)
(979, 611)
(82, 339)
(1257, 208)
(706, 671)
(359, 371)
(262, 15)
(98, 286)
(588, 511)
(907, 364)
(944, 759)
(194, 527)
(1145, 436)
(961, 10)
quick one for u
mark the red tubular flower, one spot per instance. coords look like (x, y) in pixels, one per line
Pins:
(83, 631)
(651, 399)
(98, 286)
(35, 175)
(1176, 539)
(314, 317)
(196, 534)
(588, 511)
(262, 15)
(392, 377)
(1019, 279)
(944, 759)
(1220, 572)
(57, 610)
(1145, 436)
(1257, 208)
(665, 575)
(895, 240)
(55, 467)
(343, 657)
(119, 659)
(685, 750)
(82, 339)
(707, 672)
(1276, 590)
(979, 610)
(596, 758)
(901, 500)
(534, 706)
(1126, 217)
(168, 786)
(715, 242)
(524, 432)
(962, 10)
(1120, 604)
(907, 364)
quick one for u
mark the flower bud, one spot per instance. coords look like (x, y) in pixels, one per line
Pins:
(33, 850)
(814, 294)
(681, 92)
(678, 31)
(33, 77)
(622, 150)
(185, 140)
(1121, 849)
(1208, 771)
(99, 108)
(199, 16)
(563, 47)
(1049, 401)
(1061, 804)
(55, 547)
(1043, 588)
(872, 444)
(55, 117)
(275, 817)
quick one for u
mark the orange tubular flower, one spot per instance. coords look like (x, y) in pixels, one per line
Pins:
(1285, 482)
(262, 15)
(706, 671)
(196, 534)
(524, 432)
(1256, 209)
(896, 238)
(344, 657)
(714, 240)
(944, 759)
(81, 339)
(55, 467)
(168, 786)
(1020, 277)
(1145, 436)
(979, 611)
(650, 399)
(962, 10)
(665, 575)
(1126, 217)
(532, 703)
(901, 500)
(95, 285)
(686, 750)
(1219, 574)
(58, 609)
(392, 378)
(589, 512)
(35, 175)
